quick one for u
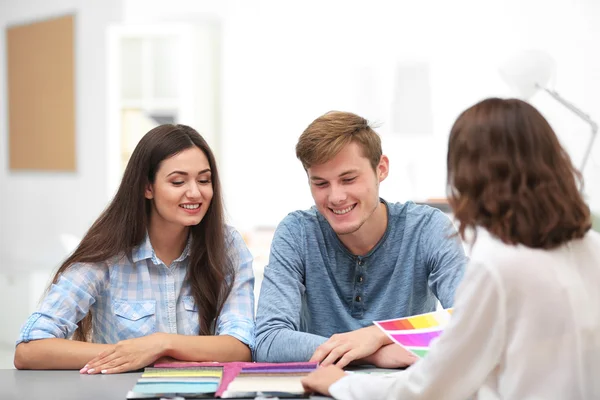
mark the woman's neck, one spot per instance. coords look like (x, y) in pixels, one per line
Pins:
(168, 241)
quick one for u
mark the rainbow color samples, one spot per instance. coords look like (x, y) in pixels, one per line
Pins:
(416, 333)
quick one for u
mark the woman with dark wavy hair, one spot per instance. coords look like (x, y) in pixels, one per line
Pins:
(526, 319)
(158, 274)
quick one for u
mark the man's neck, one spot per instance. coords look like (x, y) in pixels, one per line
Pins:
(366, 238)
(168, 241)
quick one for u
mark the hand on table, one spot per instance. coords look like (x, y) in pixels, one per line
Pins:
(321, 379)
(347, 347)
(127, 355)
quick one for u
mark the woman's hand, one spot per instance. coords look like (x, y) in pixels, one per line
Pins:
(128, 355)
(321, 379)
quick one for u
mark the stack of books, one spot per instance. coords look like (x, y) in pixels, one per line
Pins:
(226, 380)
(159, 382)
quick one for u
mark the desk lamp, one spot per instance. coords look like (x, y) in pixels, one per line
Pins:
(530, 71)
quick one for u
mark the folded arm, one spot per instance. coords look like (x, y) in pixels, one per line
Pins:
(56, 354)
(133, 354)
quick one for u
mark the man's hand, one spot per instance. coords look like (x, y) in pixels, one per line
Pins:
(347, 347)
(392, 356)
(320, 380)
(128, 355)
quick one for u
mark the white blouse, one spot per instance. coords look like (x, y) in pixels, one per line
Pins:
(526, 325)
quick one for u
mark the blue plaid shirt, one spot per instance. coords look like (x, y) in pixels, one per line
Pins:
(138, 295)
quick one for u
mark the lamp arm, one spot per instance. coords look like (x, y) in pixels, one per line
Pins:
(581, 115)
(588, 151)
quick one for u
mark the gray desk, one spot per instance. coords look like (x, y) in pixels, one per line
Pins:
(64, 385)
(67, 385)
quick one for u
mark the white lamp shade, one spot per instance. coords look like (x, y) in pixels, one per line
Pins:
(528, 71)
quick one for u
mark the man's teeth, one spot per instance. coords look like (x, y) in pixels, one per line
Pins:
(190, 206)
(344, 211)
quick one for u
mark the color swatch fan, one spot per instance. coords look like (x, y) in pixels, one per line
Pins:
(416, 333)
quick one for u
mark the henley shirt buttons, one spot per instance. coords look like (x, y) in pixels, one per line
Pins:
(360, 262)
(359, 279)
(357, 298)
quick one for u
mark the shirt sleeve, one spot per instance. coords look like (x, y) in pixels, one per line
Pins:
(237, 316)
(445, 257)
(460, 361)
(278, 336)
(66, 303)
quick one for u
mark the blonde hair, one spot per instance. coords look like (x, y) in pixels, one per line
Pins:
(325, 137)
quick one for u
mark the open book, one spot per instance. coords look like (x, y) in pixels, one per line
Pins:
(269, 380)
(417, 332)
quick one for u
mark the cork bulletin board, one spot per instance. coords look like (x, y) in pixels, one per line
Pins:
(41, 95)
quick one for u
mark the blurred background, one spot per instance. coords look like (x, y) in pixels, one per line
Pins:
(250, 75)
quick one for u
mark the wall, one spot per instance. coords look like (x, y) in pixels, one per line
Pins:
(37, 207)
(285, 63)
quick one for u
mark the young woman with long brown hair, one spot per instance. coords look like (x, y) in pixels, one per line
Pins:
(526, 320)
(158, 274)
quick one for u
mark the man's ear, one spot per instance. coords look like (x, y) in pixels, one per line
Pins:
(383, 168)
(148, 193)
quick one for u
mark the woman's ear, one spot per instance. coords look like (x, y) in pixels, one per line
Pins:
(148, 193)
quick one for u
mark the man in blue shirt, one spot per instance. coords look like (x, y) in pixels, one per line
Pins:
(353, 258)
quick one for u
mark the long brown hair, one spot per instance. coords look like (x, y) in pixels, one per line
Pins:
(124, 223)
(508, 173)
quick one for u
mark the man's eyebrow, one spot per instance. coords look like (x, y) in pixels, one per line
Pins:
(349, 172)
(186, 174)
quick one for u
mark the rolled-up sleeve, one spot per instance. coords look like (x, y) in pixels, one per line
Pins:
(66, 303)
(237, 317)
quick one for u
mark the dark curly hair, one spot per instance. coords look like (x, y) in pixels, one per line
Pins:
(508, 173)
